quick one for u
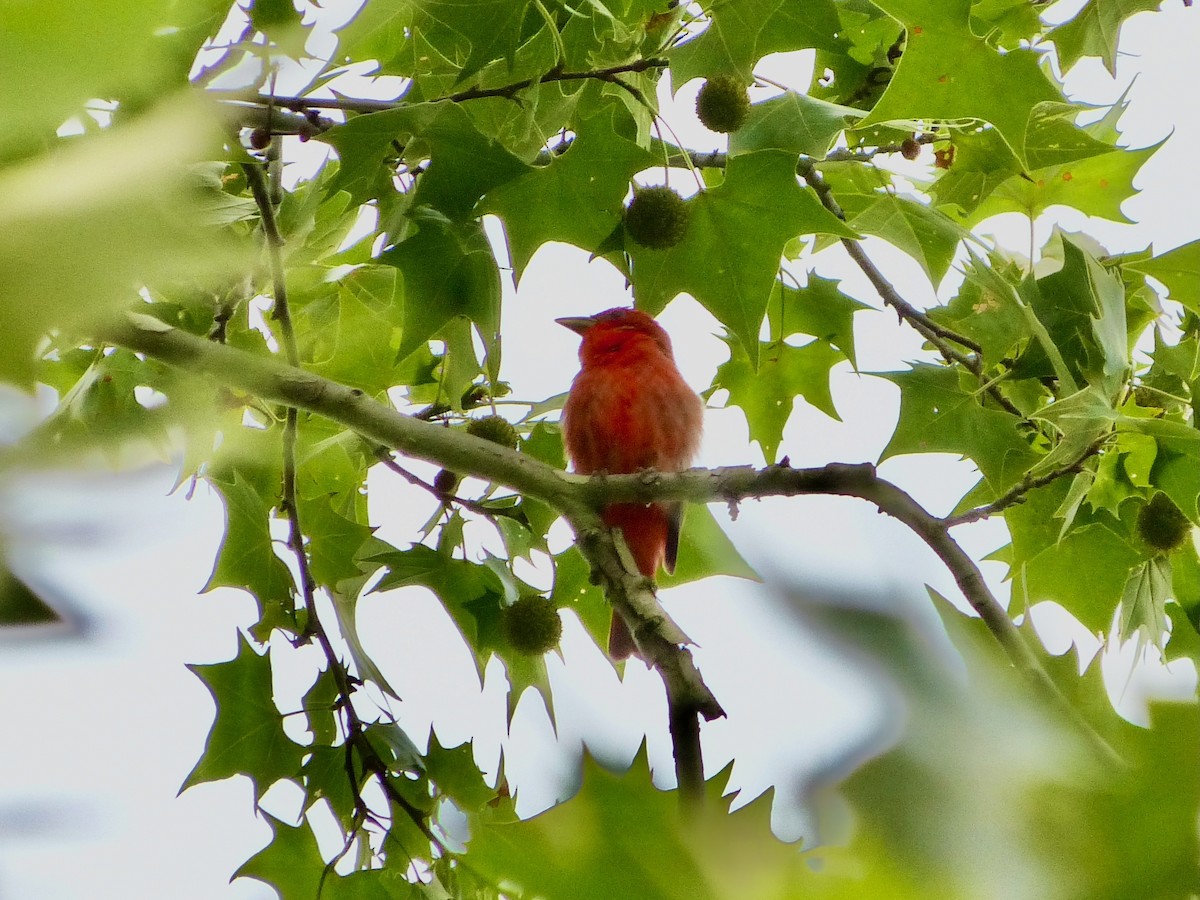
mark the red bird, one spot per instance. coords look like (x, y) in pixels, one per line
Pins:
(629, 409)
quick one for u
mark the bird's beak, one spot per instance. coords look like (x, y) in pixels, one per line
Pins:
(578, 324)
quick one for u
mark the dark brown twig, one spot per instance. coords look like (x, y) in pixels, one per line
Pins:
(1016, 494)
(348, 104)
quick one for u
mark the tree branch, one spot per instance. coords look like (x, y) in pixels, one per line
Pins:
(508, 91)
(578, 498)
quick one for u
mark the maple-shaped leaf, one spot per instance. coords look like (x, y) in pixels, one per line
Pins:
(333, 541)
(940, 414)
(705, 550)
(992, 318)
(1143, 604)
(926, 234)
(784, 373)
(247, 557)
(729, 256)
(819, 309)
(621, 838)
(291, 863)
(1096, 186)
(247, 736)
(359, 348)
(742, 33)
(578, 197)
(1179, 270)
(1095, 31)
(449, 271)
(1084, 570)
(454, 771)
(463, 162)
(947, 73)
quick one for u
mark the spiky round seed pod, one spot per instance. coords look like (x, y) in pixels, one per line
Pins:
(910, 148)
(496, 429)
(656, 217)
(531, 625)
(260, 139)
(1162, 525)
(723, 104)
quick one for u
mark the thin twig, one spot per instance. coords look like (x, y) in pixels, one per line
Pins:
(938, 335)
(1016, 494)
(384, 456)
(348, 104)
(355, 730)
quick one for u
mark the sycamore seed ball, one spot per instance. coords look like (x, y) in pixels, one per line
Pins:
(723, 104)
(1162, 525)
(496, 429)
(531, 625)
(656, 217)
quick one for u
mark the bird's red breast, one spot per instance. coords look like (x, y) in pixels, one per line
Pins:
(629, 409)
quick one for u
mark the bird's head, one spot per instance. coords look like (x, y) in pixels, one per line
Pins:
(618, 335)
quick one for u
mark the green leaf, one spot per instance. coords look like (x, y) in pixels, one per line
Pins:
(1095, 31)
(621, 838)
(949, 74)
(20, 604)
(986, 311)
(794, 122)
(574, 590)
(291, 862)
(705, 550)
(1082, 307)
(471, 593)
(53, 59)
(247, 557)
(464, 164)
(123, 197)
(333, 541)
(247, 737)
(1179, 270)
(456, 775)
(1096, 186)
(743, 32)
(578, 198)
(819, 309)
(359, 349)
(730, 254)
(938, 415)
(1086, 571)
(1143, 612)
(448, 271)
(784, 373)
(927, 235)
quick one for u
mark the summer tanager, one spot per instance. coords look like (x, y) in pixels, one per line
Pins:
(629, 410)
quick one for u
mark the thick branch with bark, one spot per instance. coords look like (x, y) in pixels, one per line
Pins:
(578, 499)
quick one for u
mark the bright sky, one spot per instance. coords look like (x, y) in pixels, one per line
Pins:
(101, 731)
